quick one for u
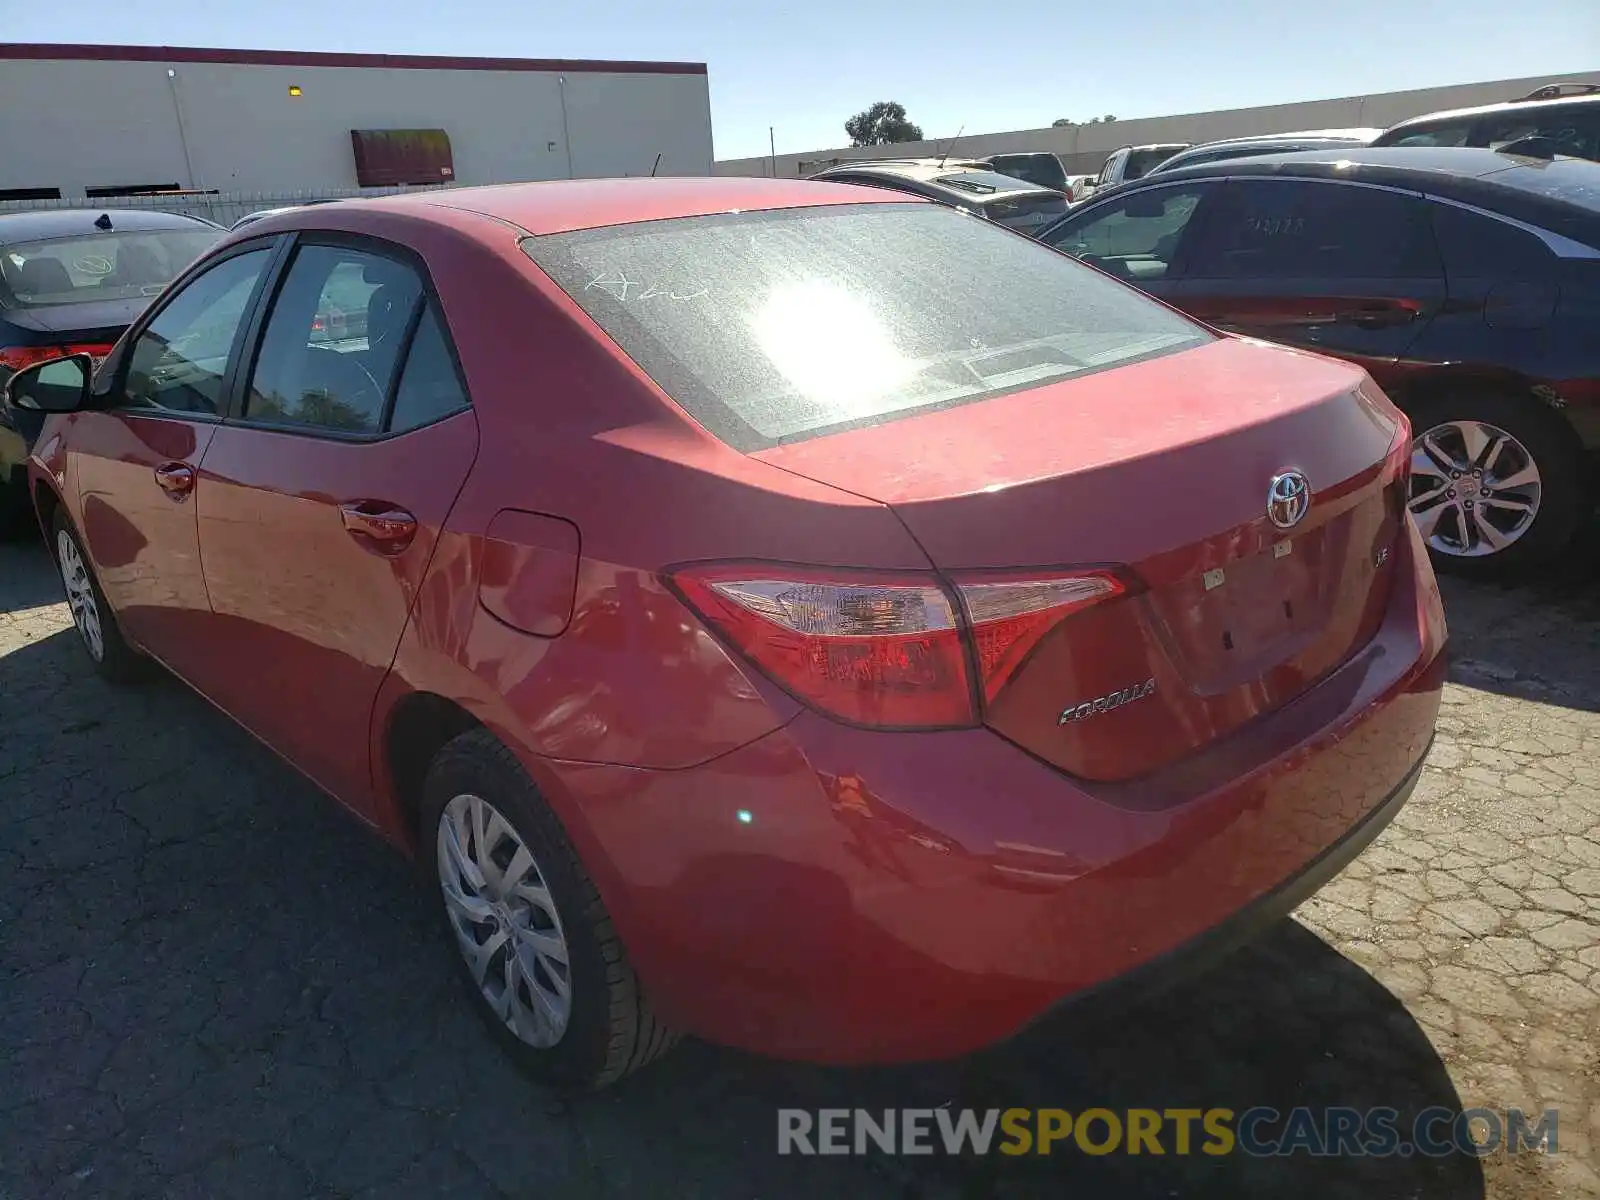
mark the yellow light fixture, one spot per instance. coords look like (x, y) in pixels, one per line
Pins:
(294, 89)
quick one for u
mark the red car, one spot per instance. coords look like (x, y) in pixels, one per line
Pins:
(785, 613)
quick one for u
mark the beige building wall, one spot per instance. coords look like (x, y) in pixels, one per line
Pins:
(234, 126)
(1083, 148)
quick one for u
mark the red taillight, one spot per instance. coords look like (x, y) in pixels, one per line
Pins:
(872, 650)
(1397, 466)
(1006, 618)
(15, 358)
(885, 651)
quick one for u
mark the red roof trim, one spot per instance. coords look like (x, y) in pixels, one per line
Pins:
(317, 58)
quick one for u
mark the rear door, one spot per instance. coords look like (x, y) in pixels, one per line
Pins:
(1342, 268)
(323, 494)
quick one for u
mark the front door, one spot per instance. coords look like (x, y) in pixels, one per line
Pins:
(134, 463)
(1341, 268)
(322, 498)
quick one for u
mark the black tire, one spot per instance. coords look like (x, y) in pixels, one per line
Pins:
(611, 1029)
(118, 662)
(1565, 498)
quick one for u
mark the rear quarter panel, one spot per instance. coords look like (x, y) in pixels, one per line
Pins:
(572, 430)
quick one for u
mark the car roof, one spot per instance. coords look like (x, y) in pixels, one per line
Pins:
(932, 174)
(1309, 140)
(1489, 110)
(67, 222)
(1455, 161)
(563, 205)
(1295, 135)
(908, 166)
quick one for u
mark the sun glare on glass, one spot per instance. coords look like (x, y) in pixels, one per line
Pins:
(828, 343)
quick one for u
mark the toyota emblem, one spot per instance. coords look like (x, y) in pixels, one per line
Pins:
(1288, 499)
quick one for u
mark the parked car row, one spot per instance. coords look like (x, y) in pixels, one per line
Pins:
(1564, 116)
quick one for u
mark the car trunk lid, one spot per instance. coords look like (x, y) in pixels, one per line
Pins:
(1161, 471)
(90, 321)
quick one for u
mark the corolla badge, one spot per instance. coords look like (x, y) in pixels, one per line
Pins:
(1288, 499)
(1100, 704)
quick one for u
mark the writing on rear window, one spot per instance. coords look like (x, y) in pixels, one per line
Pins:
(1273, 226)
(618, 284)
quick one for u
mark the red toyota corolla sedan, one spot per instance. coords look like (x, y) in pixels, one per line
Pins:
(786, 613)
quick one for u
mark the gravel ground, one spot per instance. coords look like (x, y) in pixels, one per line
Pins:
(212, 983)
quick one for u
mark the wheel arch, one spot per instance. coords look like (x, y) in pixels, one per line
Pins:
(46, 502)
(415, 729)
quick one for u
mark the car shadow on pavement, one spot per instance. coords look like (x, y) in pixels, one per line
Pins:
(1534, 639)
(27, 574)
(217, 985)
(1286, 1022)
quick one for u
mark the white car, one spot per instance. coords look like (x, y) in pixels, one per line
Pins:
(1131, 162)
(251, 218)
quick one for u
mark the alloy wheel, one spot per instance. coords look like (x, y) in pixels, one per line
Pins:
(505, 920)
(80, 595)
(1475, 489)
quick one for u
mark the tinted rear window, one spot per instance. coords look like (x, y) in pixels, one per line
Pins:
(98, 266)
(773, 327)
(980, 183)
(1452, 133)
(1042, 169)
(1140, 161)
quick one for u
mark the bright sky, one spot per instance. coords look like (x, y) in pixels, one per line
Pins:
(803, 68)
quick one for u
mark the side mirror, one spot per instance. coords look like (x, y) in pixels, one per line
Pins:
(60, 385)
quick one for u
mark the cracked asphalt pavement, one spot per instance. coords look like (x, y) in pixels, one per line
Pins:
(214, 984)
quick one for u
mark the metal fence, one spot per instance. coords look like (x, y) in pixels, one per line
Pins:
(222, 207)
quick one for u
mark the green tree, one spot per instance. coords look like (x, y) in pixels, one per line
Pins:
(881, 124)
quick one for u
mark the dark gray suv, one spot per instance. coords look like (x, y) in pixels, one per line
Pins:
(1566, 116)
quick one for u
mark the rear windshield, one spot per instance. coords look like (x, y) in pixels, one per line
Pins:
(1140, 161)
(1042, 169)
(102, 266)
(980, 183)
(773, 327)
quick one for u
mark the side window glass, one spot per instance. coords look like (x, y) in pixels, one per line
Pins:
(1439, 135)
(1478, 247)
(179, 361)
(332, 342)
(1570, 133)
(1136, 237)
(429, 387)
(1275, 229)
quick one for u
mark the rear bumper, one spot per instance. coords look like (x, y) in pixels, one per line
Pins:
(1216, 943)
(840, 895)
